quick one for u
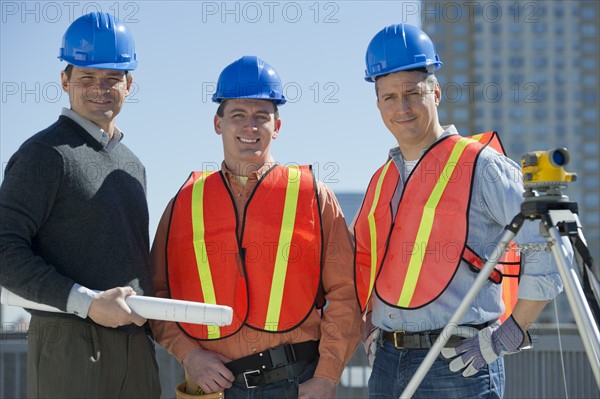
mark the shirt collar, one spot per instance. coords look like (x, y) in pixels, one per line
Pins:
(257, 175)
(397, 155)
(93, 130)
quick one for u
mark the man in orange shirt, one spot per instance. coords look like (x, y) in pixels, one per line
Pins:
(269, 241)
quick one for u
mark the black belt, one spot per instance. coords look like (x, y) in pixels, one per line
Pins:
(424, 339)
(274, 364)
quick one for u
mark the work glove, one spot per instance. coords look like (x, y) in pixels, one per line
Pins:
(489, 344)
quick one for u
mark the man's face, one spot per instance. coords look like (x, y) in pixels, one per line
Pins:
(247, 127)
(97, 94)
(408, 107)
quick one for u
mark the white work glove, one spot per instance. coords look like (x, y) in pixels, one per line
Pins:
(473, 353)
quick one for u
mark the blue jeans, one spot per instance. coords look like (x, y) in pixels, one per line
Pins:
(393, 369)
(278, 390)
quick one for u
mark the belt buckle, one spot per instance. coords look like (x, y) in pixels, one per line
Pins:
(246, 374)
(396, 334)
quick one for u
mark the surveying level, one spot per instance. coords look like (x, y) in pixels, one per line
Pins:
(543, 178)
(543, 170)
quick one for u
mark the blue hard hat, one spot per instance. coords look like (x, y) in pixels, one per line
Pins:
(249, 77)
(400, 48)
(99, 40)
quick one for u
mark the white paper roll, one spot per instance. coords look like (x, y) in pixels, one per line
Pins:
(149, 308)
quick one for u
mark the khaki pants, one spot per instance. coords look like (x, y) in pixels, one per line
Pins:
(69, 358)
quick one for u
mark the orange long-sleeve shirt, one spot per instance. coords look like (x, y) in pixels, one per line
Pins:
(338, 327)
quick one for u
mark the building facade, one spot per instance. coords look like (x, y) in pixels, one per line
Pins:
(529, 70)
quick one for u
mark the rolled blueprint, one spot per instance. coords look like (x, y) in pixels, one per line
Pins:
(149, 308)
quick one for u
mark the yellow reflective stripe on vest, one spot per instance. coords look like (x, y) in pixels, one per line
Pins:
(206, 281)
(426, 225)
(373, 227)
(283, 248)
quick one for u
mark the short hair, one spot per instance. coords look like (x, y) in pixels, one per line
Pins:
(430, 79)
(69, 71)
(221, 109)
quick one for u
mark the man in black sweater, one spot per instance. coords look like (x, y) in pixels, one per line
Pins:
(75, 219)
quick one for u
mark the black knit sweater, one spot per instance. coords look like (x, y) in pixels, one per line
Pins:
(70, 211)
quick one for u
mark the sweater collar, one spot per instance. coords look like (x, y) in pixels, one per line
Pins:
(93, 130)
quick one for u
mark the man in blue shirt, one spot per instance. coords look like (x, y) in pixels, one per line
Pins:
(435, 210)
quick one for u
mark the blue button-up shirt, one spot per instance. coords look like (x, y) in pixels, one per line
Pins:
(496, 198)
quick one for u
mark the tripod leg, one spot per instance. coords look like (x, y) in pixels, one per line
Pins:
(591, 289)
(509, 233)
(579, 306)
(590, 275)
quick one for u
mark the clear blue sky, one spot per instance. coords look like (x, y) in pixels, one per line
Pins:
(318, 48)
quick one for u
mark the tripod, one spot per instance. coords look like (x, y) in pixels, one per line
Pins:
(558, 217)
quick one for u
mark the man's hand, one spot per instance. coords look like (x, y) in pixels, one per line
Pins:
(109, 308)
(208, 370)
(317, 388)
(485, 347)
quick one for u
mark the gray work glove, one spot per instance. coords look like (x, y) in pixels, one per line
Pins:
(489, 344)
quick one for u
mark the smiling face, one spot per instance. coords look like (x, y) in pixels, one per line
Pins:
(97, 94)
(247, 128)
(408, 106)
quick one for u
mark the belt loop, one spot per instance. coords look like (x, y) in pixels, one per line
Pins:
(291, 356)
(290, 373)
(428, 341)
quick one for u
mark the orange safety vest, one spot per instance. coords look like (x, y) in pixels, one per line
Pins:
(427, 250)
(270, 277)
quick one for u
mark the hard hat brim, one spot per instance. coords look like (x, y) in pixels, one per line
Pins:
(406, 68)
(279, 101)
(119, 66)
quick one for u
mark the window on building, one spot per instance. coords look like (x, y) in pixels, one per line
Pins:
(540, 114)
(589, 97)
(540, 28)
(589, 114)
(516, 62)
(558, 11)
(588, 47)
(442, 114)
(588, 30)
(590, 150)
(560, 96)
(591, 201)
(540, 130)
(496, 61)
(460, 29)
(540, 62)
(516, 113)
(459, 46)
(517, 147)
(589, 80)
(559, 45)
(539, 45)
(589, 63)
(461, 114)
(588, 13)
(463, 63)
